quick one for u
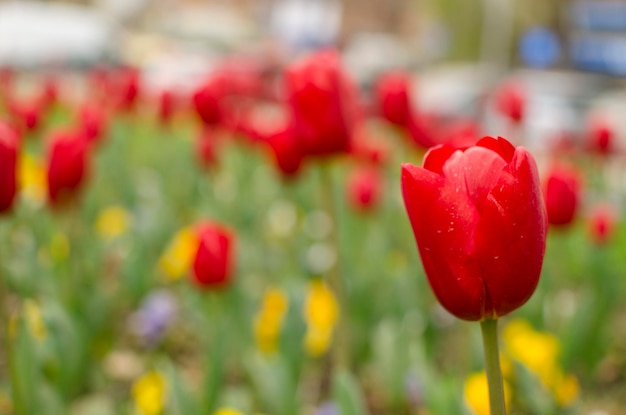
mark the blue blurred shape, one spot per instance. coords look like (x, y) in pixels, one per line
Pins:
(599, 53)
(539, 48)
(599, 15)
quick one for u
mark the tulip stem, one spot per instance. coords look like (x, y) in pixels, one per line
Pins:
(5, 333)
(489, 329)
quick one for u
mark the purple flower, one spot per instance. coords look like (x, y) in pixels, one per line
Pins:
(153, 317)
(327, 408)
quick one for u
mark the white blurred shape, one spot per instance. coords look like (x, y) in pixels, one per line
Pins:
(34, 33)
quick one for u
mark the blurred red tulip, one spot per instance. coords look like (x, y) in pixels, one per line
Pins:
(393, 95)
(511, 101)
(214, 259)
(127, 83)
(423, 130)
(480, 225)
(167, 106)
(602, 223)
(206, 149)
(288, 155)
(562, 193)
(68, 166)
(49, 95)
(27, 114)
(9, 143)
(93, 122)
(364, 187)
(600, 135)
(323, 102)
(208, 100)
(368, 148)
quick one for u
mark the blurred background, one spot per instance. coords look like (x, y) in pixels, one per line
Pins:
(569, 53)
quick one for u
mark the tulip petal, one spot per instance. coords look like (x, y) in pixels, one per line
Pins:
(476, 170)
(445, 240)
(511, 235)
(500, 145)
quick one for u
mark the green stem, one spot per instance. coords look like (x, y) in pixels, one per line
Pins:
(489, 329)
(5, 317)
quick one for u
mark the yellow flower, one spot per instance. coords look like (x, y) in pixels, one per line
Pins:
(566, 389)
(539, 353)
(536, 350)
(321, 308)
(476, 392)
(59, 247)
(227, 411)
(321, 312)
(179, 254)
(269, 320)
(149, 393)
(32, 179)
(317, 341)
(112, 222)
(34, 321)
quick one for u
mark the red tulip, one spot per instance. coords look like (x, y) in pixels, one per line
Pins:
(68, 166)
(393, 94)
(167, 106)
(288, 155)
(208, 100)
(368, 149)
(206, 146)
(9, 143)
(602, 223)
(480, 225)
(562, 194)
(323, 102)
(423, 130)
(27, 114)
(600, 135)
(127, 82)
(364, 187)
(92, 122)
(49, 92)
(511, 101)
(213, 262)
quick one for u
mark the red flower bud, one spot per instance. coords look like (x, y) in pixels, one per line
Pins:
(323, 102)
(27, 114)
(49, 92)
(207, 100)
(602, 223)
(9, 143)
(287, 153)
(127, 82)
(68, 166)
(480, 225)
(600, 135)
(92, 122)
(511, 101)
(206, 145)
(167, 106)
(423, 130)
(213, 262)
(393, 94)
(364, 187)
(562, 193)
